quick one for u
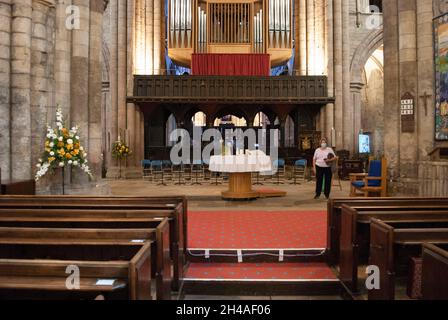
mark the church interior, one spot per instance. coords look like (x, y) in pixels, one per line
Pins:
(223, 150)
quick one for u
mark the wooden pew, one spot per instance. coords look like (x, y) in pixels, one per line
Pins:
(34, 233)
(41, 275)
(434, 272)
(355, 234)
(334, 215)
(177, 204)
(385, 241)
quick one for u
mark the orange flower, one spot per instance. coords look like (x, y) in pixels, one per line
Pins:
(69, 147)
(68, 156)
(60, 144)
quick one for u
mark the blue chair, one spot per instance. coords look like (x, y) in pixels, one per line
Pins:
(157, 171)
(281, 171)
(299, 172)
(146, 169)
(375, 181)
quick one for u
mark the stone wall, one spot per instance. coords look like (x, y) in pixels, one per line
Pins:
(44, 63)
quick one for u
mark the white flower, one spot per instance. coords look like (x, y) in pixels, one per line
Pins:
(70, 141)
(49, 136)
(70, 162)
(60, 138)
(61, 164)
(52, 153)
(77, 137)
(51, 144)
(75, 163)
(81, 148)
(38, 165)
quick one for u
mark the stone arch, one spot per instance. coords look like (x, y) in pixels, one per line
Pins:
(363, 52)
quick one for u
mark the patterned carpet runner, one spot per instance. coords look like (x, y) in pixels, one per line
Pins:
(245, 230)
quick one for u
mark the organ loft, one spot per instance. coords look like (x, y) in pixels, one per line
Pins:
(230, 27)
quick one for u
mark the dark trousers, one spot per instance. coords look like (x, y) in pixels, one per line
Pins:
(321, 174)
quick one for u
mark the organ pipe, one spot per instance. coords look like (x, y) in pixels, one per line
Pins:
(230, 23)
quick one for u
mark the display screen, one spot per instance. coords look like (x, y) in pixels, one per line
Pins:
(364, 143)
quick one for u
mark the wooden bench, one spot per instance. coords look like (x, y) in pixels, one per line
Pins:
(42, 275)
(334, 215)
(355, 237)
(39, 228)
(434, 272)
(385, 241)
(133, 207)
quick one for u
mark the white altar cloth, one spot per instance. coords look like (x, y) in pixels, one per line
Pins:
(241, 163)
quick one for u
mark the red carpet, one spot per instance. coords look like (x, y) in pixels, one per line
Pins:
(260, 272)
(245, 230)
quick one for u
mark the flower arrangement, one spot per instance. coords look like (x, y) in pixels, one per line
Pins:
(62, 149)
(120, 150)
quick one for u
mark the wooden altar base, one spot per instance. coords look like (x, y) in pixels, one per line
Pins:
(240, 187)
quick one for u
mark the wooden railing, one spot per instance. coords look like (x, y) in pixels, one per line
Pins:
(261, 90)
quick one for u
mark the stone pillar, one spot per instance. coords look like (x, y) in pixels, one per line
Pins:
(130, 108)
(157, 35)
(356, 103)
(408, 83)
(149, 22)
(425, 47)
(113, 76)
(297, 36)
(329, 54)
(391, 89)
(338, 84)
(142, 134)
(95, 86)
(42, 57)
(5, 79)
(79, 89)
(122, 65)
(347, 121)
(303, 57)
(62, 59)
(311, 33)
(21, 89)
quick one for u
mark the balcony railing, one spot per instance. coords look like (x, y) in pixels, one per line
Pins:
(220, 89)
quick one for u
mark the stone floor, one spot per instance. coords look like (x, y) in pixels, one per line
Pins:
(207, 196)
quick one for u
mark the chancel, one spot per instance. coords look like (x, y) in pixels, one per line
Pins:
(223, 149)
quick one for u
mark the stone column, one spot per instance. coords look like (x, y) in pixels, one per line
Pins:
(425, 47)
(303, 57)
(62, 59)
(407, 20)
(311, 33)
(142, 134)
(391, 89)
(356, 101)
(113, 77)
(157, 35)
(122, 64)
(42, 57)
(149, 22)
(95, 86)
(21, 90)
(338, 84)
(5, 79)
(79, 89)
(347, 122)
(130, 108)
(329, 54)
(297, 35)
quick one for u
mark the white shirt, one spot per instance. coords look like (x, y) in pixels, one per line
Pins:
(320, 155)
